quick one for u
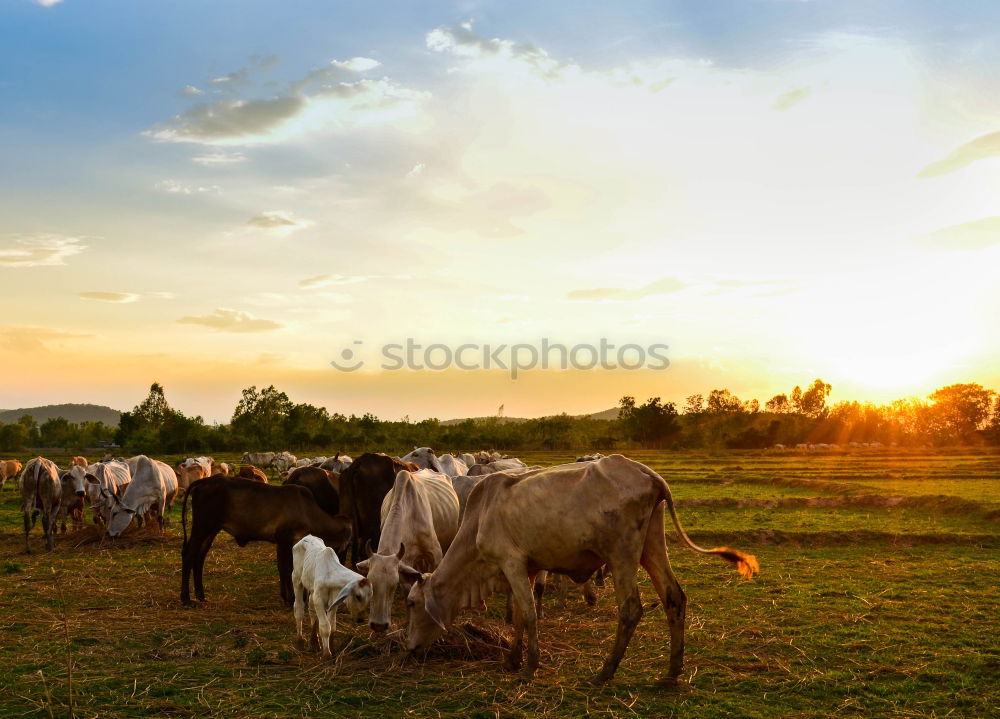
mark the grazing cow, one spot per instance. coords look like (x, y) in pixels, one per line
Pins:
(41, 492)
(250, 512)
(152, 489)
(283, 461)
(363, 486)
(325, 486)
(572, 519)
(337, 463)
(425, 458)
(419, 521)
(590, 457)
(71, 503)
(10, 469)
(258, 459)
(322, 582)
(105, 483)
(500, 465)
(252, 473)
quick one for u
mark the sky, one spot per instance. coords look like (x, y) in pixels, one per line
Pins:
(214, 195)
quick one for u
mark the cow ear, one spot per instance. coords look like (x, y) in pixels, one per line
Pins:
(91, 478)
(409, 574)
(344, 594)
(402, 551)
(363, 582)
(362, 567)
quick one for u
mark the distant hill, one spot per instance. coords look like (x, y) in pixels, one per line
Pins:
(72, 412)
(606, 414)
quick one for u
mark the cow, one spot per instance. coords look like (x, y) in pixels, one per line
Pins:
(41, 492)
(425, 458)
(152, 489)
(71, 503)
(500, 465)
(572, 519)
(337, 463)
(105, 482)
(250, 512)
(252, 473)
(590, 457)
(468, 458)
(190, 471)
(79, 461)
(325, 486)
(283, 461)
(258, 459)
(10, 469)
(419, 522)
(223, 468)
(363, 486)
(320, 581)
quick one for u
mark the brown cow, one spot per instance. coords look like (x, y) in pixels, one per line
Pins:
(79, 461)
(324, 485)
(189, 472)
(248, 471)
(253, 512)
(10, 469)
(573, 519)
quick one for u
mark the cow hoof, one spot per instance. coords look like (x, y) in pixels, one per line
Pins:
(511, 665)
(600, 679)
(526, 675)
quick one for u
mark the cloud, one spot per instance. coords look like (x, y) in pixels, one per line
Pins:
(215, 159)
(224, 320)
(416, 171)
(47, 3)
(40, 250)
(161, 295)
(790, 98)
(462, 41)
(176, 188)
(278, 221)
(982, 148)
(324, 99)
(615, 294)
(191, 91)
(117, 297)
(975, 235)
(311, 283)
(33, 339)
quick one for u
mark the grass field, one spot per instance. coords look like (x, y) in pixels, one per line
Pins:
(878, 597)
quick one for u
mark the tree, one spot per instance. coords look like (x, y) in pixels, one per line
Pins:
(720, 401)
(959, 410)
(812, 402)
(694, 404)
(778, 404)
(260, 416)
(651, 424)
(154, 410)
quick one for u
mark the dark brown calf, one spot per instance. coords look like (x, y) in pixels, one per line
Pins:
(253, 512)
(324, 485)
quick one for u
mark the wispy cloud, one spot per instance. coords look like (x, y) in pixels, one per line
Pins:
(318, 281)
(40, 250)
(117, 297)
(982, 148)
(790, 98)
(975, 235)
(178, 188)
(462, 41)
(47, 3)
(224, 320)
(191, 91)
(33, 339)
(616, 294)
(278, 221)
(215, 159)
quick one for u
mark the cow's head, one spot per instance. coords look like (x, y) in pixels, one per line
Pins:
(78, 479)
(355, 596)
(121, 517)
(426, 621)
(385, 572)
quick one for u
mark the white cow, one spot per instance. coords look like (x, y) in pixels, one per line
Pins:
(337, 463)
(320, 579)
(153, 487)
(41, 492)
(419, 521)
(105, 483)
(74, 485)
(258, 459)
(425, 458)
(283, 461)
(467, 457)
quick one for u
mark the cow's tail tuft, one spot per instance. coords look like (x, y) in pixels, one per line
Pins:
(746, 564)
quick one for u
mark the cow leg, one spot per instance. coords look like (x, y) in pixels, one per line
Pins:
(540, 581)
(657, 565)
(299, 609)
(27, 530)
(520, 588)
(199, 552)
(589, 593)
(512, 662)
(629, 614)
(284, 559)
(324, 630)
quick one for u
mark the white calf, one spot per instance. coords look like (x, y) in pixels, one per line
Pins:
(320, 579)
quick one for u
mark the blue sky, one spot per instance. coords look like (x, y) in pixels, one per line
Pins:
(232, 191)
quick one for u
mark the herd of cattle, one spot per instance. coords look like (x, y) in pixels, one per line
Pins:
(443, 531)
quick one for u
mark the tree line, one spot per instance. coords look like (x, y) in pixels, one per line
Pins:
(266, 419)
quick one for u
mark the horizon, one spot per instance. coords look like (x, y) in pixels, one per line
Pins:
(775, 191)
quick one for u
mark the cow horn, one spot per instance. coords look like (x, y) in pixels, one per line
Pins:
(401, 552)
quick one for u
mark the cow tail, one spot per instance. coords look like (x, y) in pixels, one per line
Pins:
(746, 564)
(184, 508)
